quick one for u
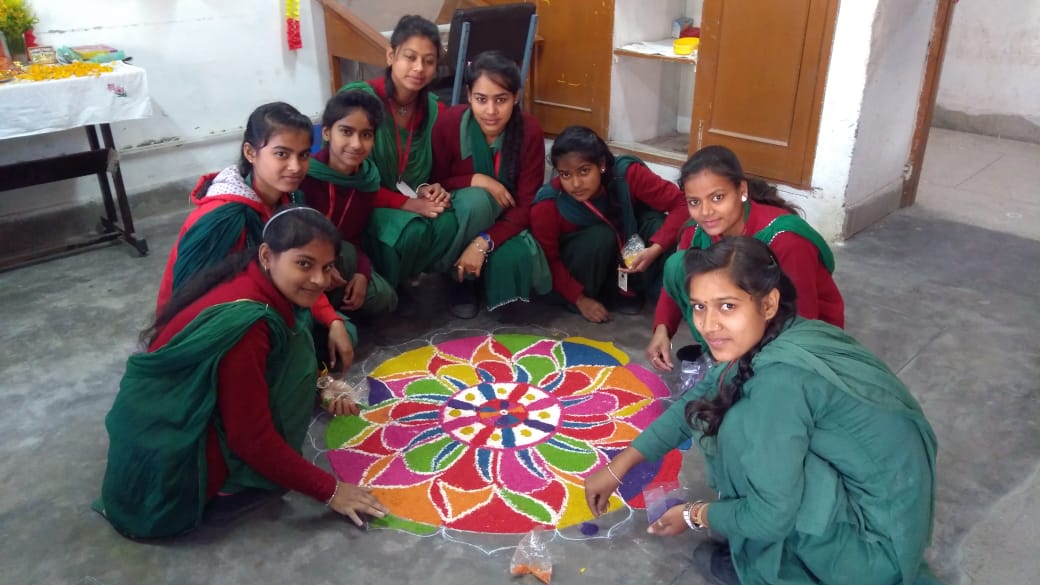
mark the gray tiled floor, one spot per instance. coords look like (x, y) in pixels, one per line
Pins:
(950, 306)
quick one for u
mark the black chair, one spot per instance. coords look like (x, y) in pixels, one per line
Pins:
(509, 28)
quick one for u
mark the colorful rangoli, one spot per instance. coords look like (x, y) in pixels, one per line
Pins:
(496, 433)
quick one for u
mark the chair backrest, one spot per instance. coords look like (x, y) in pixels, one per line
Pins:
(502, 27)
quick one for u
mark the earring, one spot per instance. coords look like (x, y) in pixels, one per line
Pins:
(743, 198)
(603, 170)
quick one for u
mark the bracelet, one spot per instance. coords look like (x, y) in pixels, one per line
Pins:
(335, 491)
(490, 242)
(694, 521)
(419, 188)
(612, 474)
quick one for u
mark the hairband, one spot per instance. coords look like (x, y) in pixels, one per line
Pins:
(263, 234)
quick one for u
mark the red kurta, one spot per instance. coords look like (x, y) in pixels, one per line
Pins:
(348, 209)
(818, 295)
(454, 172)
(242, 395)
(206, 202)
(548, 225)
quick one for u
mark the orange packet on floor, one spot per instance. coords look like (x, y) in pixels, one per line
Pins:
(543, 575)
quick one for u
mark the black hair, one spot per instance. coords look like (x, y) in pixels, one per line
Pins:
(502, 70)
(265, 122)
(585, 143)
(723, 162)
(413, 25)
(751, 266)
(343, 103)
(284, 231)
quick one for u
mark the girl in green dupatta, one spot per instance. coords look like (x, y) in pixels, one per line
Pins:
(492, 157)
(209, 422)
(407, 239)
(585, 217)
(723, 201)
(343, 184)
(823, 461)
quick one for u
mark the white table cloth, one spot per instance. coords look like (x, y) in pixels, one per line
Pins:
(38, 107)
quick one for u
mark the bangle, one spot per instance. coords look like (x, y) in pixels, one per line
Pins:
(693, 520)
(335, 491)
(419, 188)
(490, 242)
(700, 518)
(612, 474)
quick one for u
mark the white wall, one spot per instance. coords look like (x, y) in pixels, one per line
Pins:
(893, 87)
(208, 64)
(991, 74)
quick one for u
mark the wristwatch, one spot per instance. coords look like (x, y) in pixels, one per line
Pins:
(688, 518)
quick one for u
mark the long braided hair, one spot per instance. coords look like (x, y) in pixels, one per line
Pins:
(751, 266)
(504, 72)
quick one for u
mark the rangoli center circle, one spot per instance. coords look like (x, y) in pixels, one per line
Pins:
(501, 415)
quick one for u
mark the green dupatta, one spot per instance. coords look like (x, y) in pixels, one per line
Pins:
(365, 180)
(213, 236)
(474, 144)
(384, 153)
(155, 481)
(580, 215)
(675, 267)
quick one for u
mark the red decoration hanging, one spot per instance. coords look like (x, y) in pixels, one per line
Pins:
(292, 24)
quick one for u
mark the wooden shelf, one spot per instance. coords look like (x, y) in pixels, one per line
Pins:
(669, 58)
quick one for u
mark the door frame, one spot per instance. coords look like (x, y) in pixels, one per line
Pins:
(929, 93)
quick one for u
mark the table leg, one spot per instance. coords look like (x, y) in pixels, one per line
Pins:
(127, 229)
(109, 220)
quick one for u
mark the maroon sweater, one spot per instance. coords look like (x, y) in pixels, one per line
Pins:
(818, 295)
(348, 209)
(453, 172)
(547, 225)
(242, 395)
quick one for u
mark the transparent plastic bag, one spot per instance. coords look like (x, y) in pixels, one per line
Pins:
(532, 556)
(660, 497)
(633, 248)
(334, 388)
(694, 363)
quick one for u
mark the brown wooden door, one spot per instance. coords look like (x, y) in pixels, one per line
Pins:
(571, 74)
(761, 70)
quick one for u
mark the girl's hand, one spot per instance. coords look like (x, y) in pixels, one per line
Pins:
(659, 352)
(644, 259)
(352, 501)
(472, 259)
(338, 404)
(599, 486)
(592, 309)
(671, 523)
(424, 207)
(498, 191)
(435, 193)
(354, 295)
(340, 346)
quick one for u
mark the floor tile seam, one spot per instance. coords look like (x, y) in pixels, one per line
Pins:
(976, 173)
(901, 369)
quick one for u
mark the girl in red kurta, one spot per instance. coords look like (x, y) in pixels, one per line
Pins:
(491, 156)
(229, 371)
(584, 217)
(232, 206)
(724, 202)
(343, 184)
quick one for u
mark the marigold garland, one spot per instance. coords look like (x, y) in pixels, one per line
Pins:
(292, 24)
(77, 69)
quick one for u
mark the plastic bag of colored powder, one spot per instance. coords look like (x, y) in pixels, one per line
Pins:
(660, 497)
(532, 556)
